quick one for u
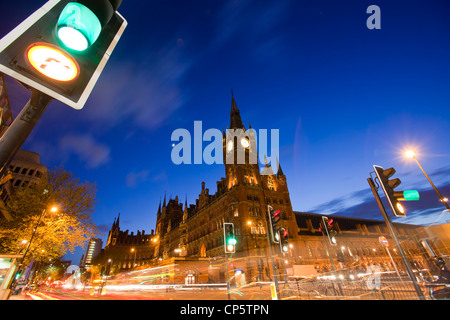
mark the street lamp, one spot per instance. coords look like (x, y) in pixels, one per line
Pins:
(411, 154)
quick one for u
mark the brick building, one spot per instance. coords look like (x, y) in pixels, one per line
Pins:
(189, 238)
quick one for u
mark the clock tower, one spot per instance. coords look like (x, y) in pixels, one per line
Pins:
(240, 151)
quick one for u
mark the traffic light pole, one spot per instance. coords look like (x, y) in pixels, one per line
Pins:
(13, 138)
(332, 263)
(441, 198)
(271, 253)
(228, 277)
(394, 236)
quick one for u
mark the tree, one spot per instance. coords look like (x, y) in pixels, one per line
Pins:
(58, 232)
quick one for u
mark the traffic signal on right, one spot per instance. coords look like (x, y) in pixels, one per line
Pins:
(284, 240)
(394, 197)
(328, 228)
(61, 49)
(274, 219)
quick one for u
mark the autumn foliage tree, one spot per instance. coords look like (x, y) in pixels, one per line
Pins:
(58, 232)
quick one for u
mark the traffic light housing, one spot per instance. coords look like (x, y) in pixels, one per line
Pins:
(284, 245)
(394, 197)
(229, 238)
(328, 228)
(61, 49)
(274, 219)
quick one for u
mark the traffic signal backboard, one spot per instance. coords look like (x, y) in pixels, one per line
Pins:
(62, 48)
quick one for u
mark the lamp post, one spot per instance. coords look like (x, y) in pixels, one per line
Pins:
(52, 209)
(411, 154)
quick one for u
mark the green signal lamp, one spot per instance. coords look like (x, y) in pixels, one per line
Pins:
(78, 27)
(407, 195)
(232, 241)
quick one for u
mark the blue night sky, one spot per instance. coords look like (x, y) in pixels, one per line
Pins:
(343, 97)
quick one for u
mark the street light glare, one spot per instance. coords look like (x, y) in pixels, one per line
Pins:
(54, 209)
(410, 153)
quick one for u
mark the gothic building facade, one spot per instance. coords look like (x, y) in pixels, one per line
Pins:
(195, 232)
(189, 239)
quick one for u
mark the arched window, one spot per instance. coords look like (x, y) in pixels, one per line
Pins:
(203, 251)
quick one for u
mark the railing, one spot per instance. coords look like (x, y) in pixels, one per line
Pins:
(376, 286)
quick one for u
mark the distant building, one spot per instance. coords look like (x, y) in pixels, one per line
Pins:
(93, 249)
(128, 250)
(24, 169)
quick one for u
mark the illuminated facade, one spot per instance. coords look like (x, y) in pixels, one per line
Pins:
(193, 234)
(188, 243)
(93, 249)
(127, 250)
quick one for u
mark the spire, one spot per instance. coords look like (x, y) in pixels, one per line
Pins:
(117, 221)
(185, 211)
(235, 117)
(164, 204)
(267, 168)
(280, 171)
(159, 208)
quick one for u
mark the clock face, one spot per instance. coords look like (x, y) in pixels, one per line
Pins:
(245, 143)
(230, 145)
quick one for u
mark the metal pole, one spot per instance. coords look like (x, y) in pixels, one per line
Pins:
(332, 264)
(271, 253)
(228, 277)
(394, 264)
(432, 184)
(32, 236)
(15, 136)
(394, 236)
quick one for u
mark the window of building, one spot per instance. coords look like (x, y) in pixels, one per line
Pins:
(17, 183)
(31, 172)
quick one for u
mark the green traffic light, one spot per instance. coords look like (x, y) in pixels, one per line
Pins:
(232, 241)
(411, 195)
(78, 27)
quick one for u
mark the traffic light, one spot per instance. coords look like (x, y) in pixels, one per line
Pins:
(394, 197)
(61, 49)
(18, 274)
(229, 238)
(328, 228)
(274, 219)
(284, 240)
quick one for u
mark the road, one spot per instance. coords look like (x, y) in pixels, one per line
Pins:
(249, 293)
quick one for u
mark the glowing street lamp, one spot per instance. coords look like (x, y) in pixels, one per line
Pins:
(411, 154)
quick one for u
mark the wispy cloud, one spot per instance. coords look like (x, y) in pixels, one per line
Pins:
(258, 22)
(134, 178)
(144, 90)
(343, 203)
(93, 153)
(362, 204)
